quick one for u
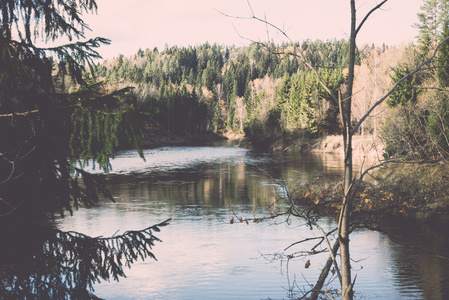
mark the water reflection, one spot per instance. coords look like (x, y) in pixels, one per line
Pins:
(40, 262)
(424, 265)
(205, 257)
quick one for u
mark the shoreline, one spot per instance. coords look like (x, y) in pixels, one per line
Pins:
(362, 146)
(365, 148)
(161, 139)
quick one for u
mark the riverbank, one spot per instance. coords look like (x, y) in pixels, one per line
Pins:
(363, 146)
(418, 191)
(160, 139)
(423, 196)
(366, 146)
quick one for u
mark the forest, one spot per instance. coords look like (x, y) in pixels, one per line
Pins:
(239, 90)
(63, 111)
(265, 91)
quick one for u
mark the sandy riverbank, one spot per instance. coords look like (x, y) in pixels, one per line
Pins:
(367, 146)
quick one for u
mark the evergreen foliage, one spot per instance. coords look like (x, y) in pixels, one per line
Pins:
(52, 133)
(221, 75)
(66, 265)
(443, 52)
(418, 125)
(54, 120)
(408, 90)
(428, 26)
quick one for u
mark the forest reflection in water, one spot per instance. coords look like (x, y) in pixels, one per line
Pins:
(203, 256)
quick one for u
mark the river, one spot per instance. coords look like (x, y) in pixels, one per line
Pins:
(204, 256)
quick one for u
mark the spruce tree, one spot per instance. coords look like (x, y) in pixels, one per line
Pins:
(47, 134)
(428, 26)
(443, 51)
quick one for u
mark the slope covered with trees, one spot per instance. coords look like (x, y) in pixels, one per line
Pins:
(218, 88)
(417, 124)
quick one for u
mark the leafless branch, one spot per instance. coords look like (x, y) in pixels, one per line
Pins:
(25, 113)
(13, 208)
(331, 253)
(362, 119)
(320, 238)
(368, 15)
(10, 174)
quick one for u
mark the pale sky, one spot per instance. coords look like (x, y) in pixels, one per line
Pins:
(135, 24)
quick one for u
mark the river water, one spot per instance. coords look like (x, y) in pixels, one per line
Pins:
(204, 256)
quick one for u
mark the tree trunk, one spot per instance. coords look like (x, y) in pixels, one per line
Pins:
(345, 107)
(324, 273)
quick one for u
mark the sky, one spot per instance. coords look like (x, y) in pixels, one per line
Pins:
(143, 24)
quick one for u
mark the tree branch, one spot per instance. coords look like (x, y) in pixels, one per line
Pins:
(362, 119)
(331, 252)
(367, 16)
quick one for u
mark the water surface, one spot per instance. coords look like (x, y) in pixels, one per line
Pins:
(204, 256)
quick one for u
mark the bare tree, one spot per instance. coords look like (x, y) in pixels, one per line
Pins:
(344, 101)
(371, 78)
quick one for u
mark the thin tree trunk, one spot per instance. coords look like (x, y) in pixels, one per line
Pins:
(324, 273)
(347, 140)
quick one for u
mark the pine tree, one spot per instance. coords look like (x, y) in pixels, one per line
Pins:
(48, 135)
(283, 99)
(443, 51)
(295, 99)
(428, 26)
